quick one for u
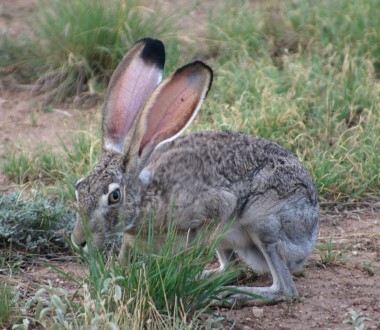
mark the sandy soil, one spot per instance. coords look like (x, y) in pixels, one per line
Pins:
(328, 292)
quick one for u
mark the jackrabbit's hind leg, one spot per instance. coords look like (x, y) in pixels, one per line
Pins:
(282, 287)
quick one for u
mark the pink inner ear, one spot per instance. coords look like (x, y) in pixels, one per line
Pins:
(127, 97)
(173, 108)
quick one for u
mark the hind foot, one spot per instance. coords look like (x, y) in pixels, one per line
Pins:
(238, 296)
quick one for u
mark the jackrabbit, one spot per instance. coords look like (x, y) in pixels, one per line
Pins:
(145, 168)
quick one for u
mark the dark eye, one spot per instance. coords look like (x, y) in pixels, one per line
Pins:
(114, 196)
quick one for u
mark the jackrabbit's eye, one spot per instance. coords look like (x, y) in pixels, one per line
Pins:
(114, 196)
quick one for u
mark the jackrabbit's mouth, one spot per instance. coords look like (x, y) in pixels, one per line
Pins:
(127, 227)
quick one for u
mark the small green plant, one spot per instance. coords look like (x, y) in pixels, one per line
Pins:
(33, 224)
(52, 308)
(368, 268)
(328, 256)
(7, 304)
(9, 263)
(357, 320)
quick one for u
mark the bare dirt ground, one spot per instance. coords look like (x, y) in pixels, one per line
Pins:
(328, 292)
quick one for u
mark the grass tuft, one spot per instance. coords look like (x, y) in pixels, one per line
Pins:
(161, 288)
(328, 254)
(164, 284)
(76, 45)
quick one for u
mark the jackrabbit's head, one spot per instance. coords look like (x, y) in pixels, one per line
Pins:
(140, 113)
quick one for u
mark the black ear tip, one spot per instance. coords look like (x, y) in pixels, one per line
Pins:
(195, 64)
(153, 52)
(198, 64)
(203, 65)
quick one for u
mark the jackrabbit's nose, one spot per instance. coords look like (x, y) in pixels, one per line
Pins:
(75, 242)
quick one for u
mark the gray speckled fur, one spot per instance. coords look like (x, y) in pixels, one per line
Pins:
(226, 175)
(216, 166)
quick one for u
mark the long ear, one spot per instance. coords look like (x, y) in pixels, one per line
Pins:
(172, 107)
(133, 81)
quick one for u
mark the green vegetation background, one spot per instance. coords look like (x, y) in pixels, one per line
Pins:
(301, 73)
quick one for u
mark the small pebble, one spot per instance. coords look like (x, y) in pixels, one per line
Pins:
(257, 312)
